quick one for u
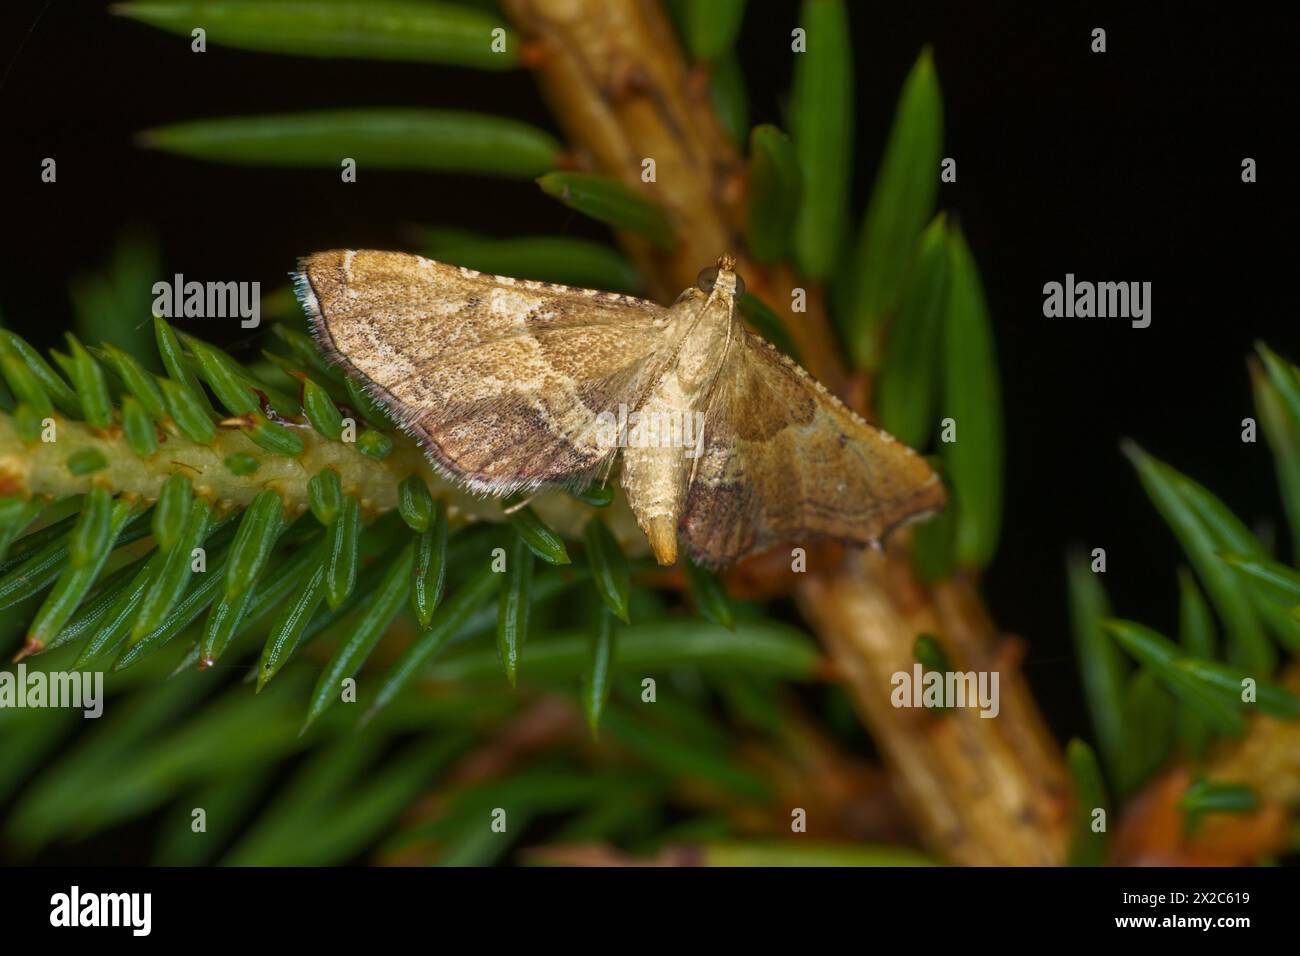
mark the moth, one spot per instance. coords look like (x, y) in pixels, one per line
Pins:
(511, 385)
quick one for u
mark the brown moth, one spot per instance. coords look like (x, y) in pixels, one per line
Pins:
(511, 385)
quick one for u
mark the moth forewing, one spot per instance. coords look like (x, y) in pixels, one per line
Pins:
(503, 381)
(785, 461)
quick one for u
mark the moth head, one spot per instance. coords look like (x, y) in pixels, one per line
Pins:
(722, 277)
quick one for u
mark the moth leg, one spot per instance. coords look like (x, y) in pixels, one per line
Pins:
(519, 505)
(607, 470)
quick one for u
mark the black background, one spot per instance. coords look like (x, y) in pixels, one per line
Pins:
(1015, 903)
(1124, 166)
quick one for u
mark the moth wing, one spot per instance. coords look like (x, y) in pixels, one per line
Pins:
(784, 461)
(501, 380)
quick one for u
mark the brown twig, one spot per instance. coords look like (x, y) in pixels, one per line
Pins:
(982, 791)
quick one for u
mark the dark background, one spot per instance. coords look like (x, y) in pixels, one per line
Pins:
(1123, 166)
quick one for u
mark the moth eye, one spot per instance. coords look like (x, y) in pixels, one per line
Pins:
(709, 278)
